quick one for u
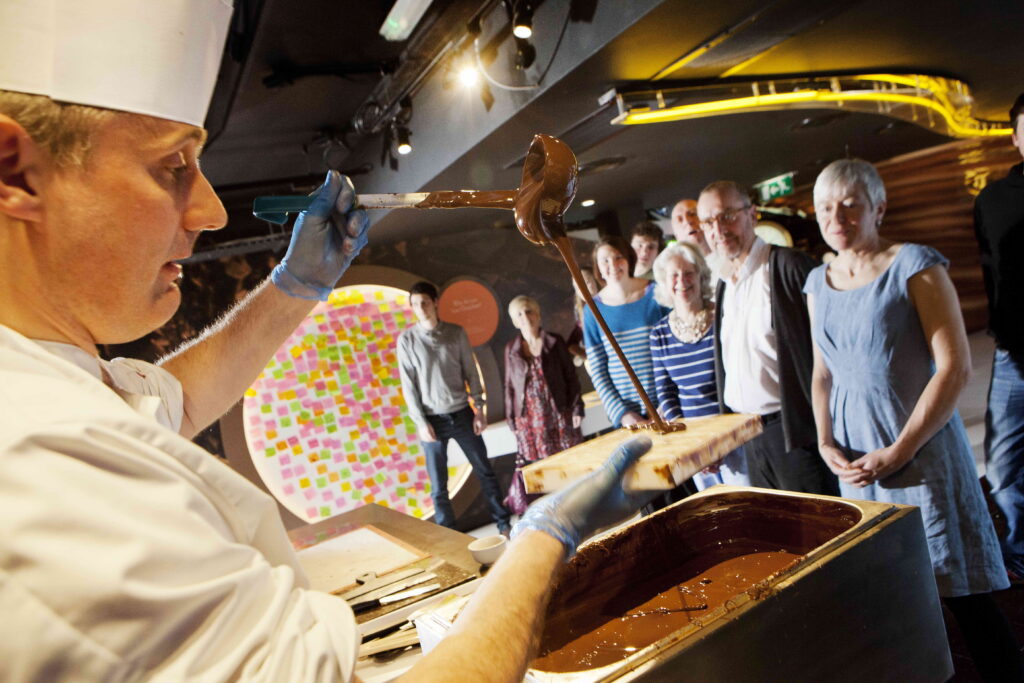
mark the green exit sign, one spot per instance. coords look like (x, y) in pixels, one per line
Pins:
(779, 186)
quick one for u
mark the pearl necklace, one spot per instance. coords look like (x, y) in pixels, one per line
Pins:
(690, 332)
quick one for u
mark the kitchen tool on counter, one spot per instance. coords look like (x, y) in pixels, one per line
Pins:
(368, 605)
(370, 582)
(395, 587)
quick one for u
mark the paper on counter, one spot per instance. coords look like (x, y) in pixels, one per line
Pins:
(334, 564)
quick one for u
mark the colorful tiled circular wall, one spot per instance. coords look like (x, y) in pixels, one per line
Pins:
(325, 421)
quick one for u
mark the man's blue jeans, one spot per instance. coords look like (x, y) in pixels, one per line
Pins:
(1004, 451)
(459, 426)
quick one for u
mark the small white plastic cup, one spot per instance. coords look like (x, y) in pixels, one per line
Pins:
(488, 549)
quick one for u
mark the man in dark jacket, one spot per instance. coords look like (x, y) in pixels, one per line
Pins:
(999, 225)
(763, 355)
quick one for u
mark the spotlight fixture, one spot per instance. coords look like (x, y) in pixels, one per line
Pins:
(468, 75)
(523, 29)
(396, 138)
(522, 19)
(587, 202)
(403, 144)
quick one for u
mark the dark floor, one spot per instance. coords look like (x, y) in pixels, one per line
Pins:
(1010, 601)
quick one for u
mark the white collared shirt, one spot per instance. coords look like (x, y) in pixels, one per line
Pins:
(719, 268)
(749, 345)
(148, 389)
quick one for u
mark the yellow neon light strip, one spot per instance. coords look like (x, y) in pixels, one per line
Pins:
(907, 81)
(938, 87)
(803, 96)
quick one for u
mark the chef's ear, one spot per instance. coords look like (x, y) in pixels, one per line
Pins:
(20, 171)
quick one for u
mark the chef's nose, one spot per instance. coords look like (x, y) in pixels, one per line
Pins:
(205, 210)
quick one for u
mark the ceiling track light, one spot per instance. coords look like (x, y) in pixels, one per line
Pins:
(522, 18)
(397, 138)
(939, 104)
(468, 75)
(403, 140)
(523, 28)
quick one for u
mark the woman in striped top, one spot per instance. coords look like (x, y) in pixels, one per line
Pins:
(683, 350)
(628, 306)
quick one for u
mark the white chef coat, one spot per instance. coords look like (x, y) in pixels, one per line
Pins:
(128, 552)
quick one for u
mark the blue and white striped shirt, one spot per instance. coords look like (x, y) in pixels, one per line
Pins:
(631, 325)
(684, 374)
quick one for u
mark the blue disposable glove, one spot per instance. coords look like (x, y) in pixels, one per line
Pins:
(592, 503)
(325, 239)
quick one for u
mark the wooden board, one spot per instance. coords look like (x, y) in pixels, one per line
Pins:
(674, 457)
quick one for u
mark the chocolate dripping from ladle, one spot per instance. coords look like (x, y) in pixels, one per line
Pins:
(547, 189)
(657, 424)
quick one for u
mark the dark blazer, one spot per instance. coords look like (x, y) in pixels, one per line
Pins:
(559, 373)
(787, 271)
(999, 227)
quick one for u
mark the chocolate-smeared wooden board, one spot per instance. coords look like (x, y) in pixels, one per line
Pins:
(673, 458)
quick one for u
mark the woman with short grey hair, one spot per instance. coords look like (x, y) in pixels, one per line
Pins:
(890, 360)
(692, 254)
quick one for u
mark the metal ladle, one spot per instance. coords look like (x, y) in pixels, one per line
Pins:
(550, 169)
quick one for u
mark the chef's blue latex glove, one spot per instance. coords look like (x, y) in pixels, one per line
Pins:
(590, 504)
(325, 239)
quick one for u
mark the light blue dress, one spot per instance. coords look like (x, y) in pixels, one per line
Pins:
(872, 342)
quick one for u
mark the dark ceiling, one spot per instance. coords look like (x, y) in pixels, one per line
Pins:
(274, 138)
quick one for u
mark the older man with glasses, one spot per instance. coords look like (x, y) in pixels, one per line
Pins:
(763, 355)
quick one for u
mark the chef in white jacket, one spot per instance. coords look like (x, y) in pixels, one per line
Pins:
(127, 552)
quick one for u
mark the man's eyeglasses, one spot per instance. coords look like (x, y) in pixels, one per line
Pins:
(725, 218)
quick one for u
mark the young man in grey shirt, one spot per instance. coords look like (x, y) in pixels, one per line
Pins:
(436, 364)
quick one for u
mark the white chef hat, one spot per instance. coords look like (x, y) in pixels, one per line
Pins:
(155, 57)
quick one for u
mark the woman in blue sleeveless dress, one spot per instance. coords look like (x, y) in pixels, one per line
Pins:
(891, 358)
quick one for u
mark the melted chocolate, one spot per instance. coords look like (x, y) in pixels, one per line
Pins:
(459, 199)
(656, 423)
(548, 186)
(697, 593)
(679, 567)
(661, 426)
